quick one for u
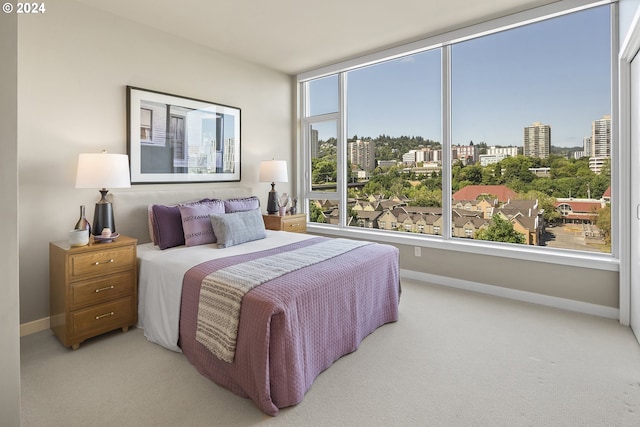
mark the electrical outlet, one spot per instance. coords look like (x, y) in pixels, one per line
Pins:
(417, 250)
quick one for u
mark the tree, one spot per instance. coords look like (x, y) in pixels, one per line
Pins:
(500, 230)
(604, 223)
(315, 213)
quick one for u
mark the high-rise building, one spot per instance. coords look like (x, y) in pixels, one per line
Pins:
(586, 143)
(537, 140)
(362, 153)
(601, 137)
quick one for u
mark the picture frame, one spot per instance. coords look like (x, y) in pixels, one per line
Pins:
(175, 139)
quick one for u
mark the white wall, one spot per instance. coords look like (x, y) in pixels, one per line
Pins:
(9, 308)
(74, 63)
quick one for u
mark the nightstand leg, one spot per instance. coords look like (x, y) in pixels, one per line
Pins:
(125, 328)
(75, 346)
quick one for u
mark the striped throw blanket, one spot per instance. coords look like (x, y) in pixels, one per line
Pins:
(221, 292)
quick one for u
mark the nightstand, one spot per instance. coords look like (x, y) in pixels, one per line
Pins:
(92, 288)
(296, 223)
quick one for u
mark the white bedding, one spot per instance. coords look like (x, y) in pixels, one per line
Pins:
(160, 280)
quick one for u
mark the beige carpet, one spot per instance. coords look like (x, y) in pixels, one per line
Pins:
(453, 359)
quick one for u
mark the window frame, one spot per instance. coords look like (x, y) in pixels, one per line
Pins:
(610, 262)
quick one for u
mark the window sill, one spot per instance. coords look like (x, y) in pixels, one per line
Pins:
(591, 260)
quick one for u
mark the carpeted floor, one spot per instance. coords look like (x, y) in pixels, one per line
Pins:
(454, 358)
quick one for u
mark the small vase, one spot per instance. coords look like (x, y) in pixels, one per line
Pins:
(82, 223)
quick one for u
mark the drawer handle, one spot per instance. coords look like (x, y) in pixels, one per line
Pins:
(104, 315)
(104, 262)
(104, 289)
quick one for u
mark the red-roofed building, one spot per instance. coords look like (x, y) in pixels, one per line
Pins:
(471, 192)
(579, 211)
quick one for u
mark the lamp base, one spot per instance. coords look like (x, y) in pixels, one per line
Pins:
(272, 200)
(103, 218)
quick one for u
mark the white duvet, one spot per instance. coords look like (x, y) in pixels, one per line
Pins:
(160, 280)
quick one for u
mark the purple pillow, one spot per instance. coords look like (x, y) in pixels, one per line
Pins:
(241, 204)
(167, 226)
(196, 223)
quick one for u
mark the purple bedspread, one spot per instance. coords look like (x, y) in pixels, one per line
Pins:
(294, 327)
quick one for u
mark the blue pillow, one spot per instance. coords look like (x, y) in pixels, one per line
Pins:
(238, 227)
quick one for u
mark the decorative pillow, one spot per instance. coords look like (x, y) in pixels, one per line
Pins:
(196, 223)
(238, 227)
(241, 204)
(151, 224)
(167, 226)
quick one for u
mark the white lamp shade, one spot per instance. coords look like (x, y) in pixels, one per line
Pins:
(273, 171)
(103, 170)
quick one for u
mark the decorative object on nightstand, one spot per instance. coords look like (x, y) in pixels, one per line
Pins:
(273, 171)
(283, 202)
(82, 223)
(79, 236)
(92, 289)
(102, 170)
(296, 223)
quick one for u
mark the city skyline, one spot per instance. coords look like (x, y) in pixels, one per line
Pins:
(557, 72)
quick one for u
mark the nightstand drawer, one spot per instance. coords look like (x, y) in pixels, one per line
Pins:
(97, 263)
(298, 225)
(103, 318)
(101, 290)
(295, 223)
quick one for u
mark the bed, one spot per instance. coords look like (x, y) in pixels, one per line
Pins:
(308, 301)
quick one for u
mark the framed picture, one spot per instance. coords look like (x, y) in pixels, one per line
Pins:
(172, 139)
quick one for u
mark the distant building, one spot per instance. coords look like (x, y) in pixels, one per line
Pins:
(362, 153)
(541, 172)
(597, 163)
(579, 211)
(471, 192)
(586, 144)
(601, 137)
(386, 163)
(409, 158)
(413, 157)
(537, 140)
(489, 159)
(467, 154)
(508, 151)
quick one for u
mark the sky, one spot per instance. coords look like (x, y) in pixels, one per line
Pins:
(557, 72)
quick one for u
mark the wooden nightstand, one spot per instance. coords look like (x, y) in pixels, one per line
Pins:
(92, 289)
(296, 223)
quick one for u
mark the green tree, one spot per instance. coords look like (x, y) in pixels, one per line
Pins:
(500, 230)
(315, 213)
(323, 170)
(604, 224)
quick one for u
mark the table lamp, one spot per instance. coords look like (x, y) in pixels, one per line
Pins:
(103, 170)
(273, 171)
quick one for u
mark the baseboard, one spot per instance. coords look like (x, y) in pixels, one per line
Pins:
(35, 326)
(530, 297)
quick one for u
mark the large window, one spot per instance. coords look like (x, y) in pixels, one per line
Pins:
(502, 137)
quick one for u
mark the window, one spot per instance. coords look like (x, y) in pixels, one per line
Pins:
(480, 137)
(145, 124)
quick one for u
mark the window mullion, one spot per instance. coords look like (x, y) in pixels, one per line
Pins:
(446, 143)
(342, 150)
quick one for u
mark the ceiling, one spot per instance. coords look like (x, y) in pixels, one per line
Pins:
(292, 36)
